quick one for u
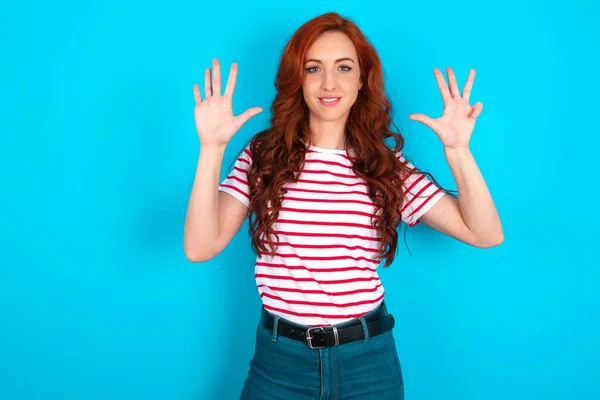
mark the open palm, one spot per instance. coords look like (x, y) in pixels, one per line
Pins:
(455, 126)
(215, 122)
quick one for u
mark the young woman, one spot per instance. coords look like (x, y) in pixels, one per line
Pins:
(325, 195)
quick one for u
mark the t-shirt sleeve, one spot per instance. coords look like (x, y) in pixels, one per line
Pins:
(420, 194)
(236, 183)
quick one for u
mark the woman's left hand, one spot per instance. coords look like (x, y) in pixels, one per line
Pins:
(455, 126)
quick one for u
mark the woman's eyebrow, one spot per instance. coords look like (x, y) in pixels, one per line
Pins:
(338, 60)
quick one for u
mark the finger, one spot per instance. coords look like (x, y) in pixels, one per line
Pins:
(442, 85)
(477, 109)
(197, 94)
(231, 81)
(469, 85)
(243, 118)
(424, 119)
(452, 82)
(207, 85)
(216, 77)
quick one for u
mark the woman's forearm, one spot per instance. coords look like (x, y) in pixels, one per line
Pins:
(476, 204)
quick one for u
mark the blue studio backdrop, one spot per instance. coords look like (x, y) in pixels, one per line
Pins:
(98, 152)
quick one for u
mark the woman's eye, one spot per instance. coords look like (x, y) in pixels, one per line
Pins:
(344, 68)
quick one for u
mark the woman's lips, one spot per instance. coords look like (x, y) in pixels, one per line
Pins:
(329, 101)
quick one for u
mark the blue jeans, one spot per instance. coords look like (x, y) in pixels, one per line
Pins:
(287, 369)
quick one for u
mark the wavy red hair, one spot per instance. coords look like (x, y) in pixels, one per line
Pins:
(278, 152)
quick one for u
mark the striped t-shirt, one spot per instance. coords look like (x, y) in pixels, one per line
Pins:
(324, 271)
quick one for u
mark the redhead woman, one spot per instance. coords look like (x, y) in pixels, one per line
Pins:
(325, 193)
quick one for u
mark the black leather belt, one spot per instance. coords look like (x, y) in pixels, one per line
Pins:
(326, 336)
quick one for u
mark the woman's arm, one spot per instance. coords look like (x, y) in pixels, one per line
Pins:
(472, 217)
(212, 218)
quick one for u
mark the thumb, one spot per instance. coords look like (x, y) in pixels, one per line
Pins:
(477, 108)
(424, 119)
(244, 117)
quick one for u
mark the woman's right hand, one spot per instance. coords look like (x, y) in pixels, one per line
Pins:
(215, 122)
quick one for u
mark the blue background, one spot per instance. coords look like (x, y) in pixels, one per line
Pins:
(98, 152)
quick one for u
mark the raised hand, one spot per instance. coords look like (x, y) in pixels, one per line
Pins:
(455, 126)
(215, 122)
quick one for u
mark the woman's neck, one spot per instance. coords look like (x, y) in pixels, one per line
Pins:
(328, 134)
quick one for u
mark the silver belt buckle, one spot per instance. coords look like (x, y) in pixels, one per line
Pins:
(309, 338)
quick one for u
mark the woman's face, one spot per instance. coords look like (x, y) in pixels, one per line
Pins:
(331, 77)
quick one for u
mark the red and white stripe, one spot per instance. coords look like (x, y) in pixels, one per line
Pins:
(324, 271)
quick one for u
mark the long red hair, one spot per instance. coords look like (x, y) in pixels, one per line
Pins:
(278, 152)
